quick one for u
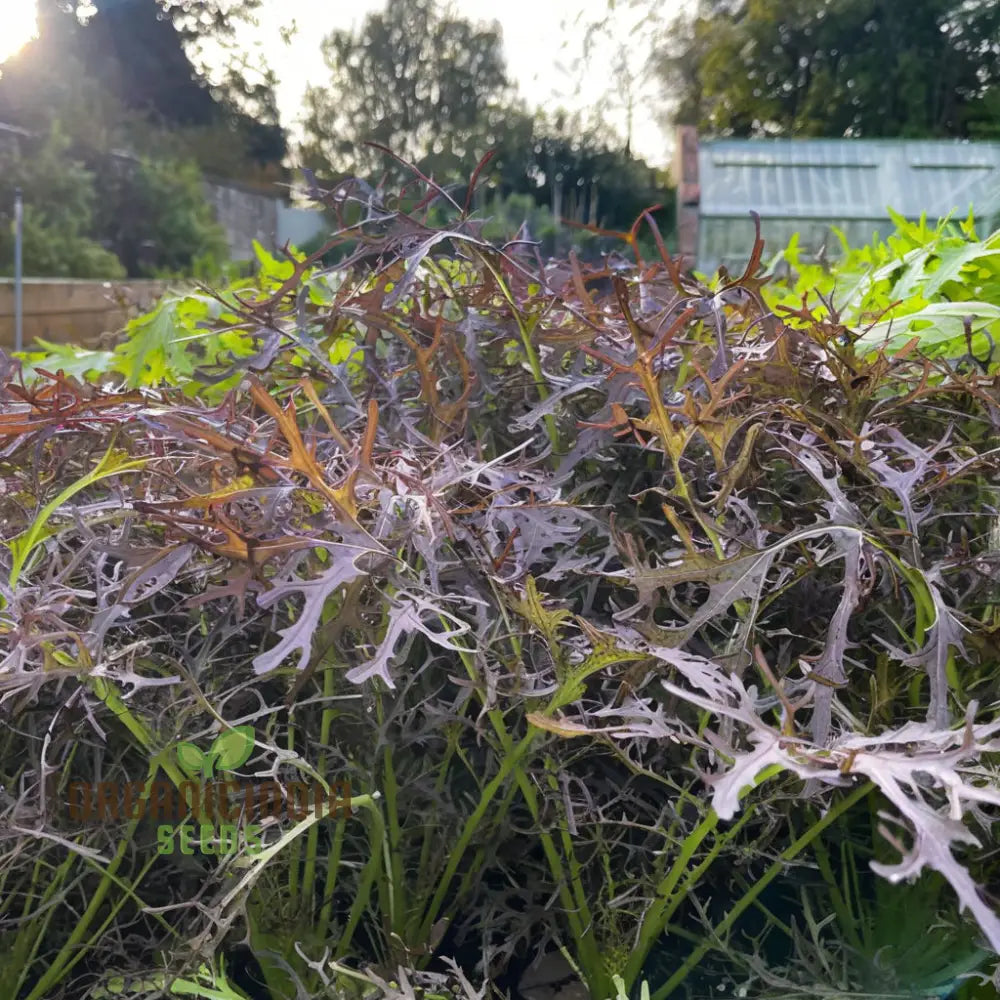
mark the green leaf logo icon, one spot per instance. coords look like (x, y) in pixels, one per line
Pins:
(232, 747)
(190, 758)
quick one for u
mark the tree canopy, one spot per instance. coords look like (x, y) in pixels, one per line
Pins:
(415, 78)
(120, 126)
(433, 88)
(421, 82)
(582, 172)
(876, 68)
(127, 68)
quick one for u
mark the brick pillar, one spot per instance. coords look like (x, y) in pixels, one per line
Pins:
(688, 194)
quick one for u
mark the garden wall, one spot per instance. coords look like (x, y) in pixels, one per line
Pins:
(62, 310)
(259, 212)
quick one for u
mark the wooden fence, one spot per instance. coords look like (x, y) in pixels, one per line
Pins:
(80, 312)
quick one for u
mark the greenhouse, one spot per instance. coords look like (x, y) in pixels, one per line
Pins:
(812, 186)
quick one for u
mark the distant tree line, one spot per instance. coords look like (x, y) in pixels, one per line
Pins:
(434, 89)
(873, 68)
(125, 115)
(124, 119)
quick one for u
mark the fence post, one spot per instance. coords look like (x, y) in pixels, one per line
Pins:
(688, 194)
(18, 268)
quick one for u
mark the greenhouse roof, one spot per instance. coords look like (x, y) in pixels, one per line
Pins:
(843, 179)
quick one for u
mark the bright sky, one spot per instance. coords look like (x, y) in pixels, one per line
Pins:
(542, 38)
(18, 20)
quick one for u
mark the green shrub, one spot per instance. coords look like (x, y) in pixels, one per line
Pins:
(142, 218)
(940, 285)
(157, 219)
(59, 210)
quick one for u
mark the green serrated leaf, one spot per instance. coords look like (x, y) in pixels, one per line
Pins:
(952, 260)
(601, 658)
(150, 351)
(939, 323)
(531, 607)
(343, 348)
(69, 358)
(112, 462)
(271, 270)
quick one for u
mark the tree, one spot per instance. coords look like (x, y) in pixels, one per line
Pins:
(150, 54)
(59, 204)
(155, 217)
(433, 89)
(580, 171)
(47, 81)
(125, 72)
(197, 20)
(138, 55)
(427, 85)
(834, 67)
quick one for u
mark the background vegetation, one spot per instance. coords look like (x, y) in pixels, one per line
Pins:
(925, 68)
(139, 121)
(652, 621)
(646, 627)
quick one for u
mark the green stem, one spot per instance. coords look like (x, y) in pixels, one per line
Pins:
(68, 955)
(580, 923)
(295, 852)
(30, 936)
(713, 937)
(845, 918)
(396, 912)
(333, 861)
(510, 762)
(525, 330)
(671, 891)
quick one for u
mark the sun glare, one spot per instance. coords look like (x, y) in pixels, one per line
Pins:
(18, 24)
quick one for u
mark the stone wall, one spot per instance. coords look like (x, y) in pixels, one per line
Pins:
(245, 214)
